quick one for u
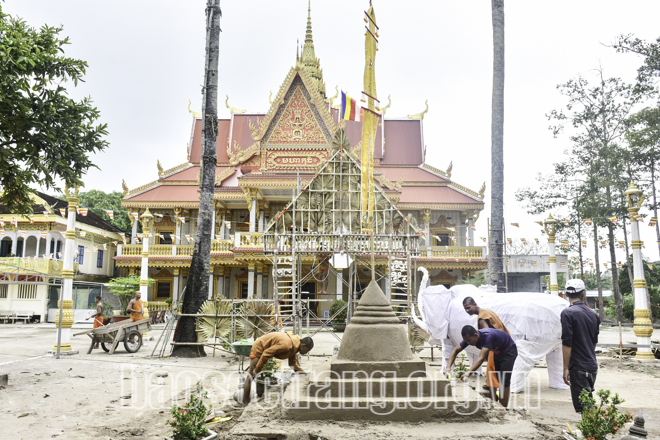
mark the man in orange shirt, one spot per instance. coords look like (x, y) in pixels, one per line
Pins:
(487, 319)
(135, 308)
(274, 345)
(98, 316)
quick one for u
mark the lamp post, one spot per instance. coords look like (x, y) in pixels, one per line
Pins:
(147, 220)
(64, 315)
(642, 326)
(550, 227)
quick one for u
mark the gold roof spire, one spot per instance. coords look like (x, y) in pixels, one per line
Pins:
(309, 59)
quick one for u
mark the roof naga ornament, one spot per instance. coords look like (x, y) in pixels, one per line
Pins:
(420, 115)
(233, 110)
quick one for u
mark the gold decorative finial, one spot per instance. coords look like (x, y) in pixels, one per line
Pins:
(482, 191)
(160, 168)
(420, 115)
(233, 110)
(270, 97)
(308, 57)
(124, 187)
(194, 113)
(331, 101)
(451, 166)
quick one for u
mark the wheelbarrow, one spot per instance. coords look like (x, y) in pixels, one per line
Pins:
(109, 336)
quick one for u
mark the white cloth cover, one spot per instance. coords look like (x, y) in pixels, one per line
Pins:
(531, 318)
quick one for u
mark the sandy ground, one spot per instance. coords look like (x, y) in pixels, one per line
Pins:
(78, 397)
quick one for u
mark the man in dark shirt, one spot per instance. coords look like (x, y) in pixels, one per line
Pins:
(580, 327)
(488, 339)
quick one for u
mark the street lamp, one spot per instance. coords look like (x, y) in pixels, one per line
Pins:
(550, 227)
(147, 220)
(642, 326)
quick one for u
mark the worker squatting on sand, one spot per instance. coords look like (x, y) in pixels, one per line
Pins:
(275, 345)
(486, 340)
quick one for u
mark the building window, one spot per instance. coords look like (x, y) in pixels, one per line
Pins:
(3, 290)
(5, 248)
(441, 239)
(19, 248)
(81, 253)
(163, 289)
(99, 259)
(27, 291)
(167, 237)
(244, 290)
(59, 247)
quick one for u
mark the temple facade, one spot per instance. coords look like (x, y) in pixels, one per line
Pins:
(264, 160)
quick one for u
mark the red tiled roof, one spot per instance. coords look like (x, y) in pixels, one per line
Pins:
(412, 174)
(223, 139)
(434, 194)
(403, 142)
(191, 173)
(174, 193)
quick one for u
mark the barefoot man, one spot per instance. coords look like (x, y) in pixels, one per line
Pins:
(487, 319)
(135, 307)
(274, 345)
(98, 316)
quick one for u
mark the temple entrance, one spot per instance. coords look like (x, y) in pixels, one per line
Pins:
(308, 292)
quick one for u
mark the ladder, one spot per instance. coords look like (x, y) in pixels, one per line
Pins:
(285, 304)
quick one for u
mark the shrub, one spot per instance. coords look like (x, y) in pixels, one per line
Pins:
(107, 309)
(124, 289)
(600, 420)
(188, 421)
(336, 306)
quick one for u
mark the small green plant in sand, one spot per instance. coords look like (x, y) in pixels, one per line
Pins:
(600, 420)
(188, 421)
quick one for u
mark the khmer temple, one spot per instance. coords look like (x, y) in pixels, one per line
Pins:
(268, 160)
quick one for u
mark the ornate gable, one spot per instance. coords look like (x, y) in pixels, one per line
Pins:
(298, 116)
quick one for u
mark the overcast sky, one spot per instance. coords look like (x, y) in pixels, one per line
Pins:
(146, 61)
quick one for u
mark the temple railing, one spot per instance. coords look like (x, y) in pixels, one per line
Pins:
(453, 252)
(325, 243)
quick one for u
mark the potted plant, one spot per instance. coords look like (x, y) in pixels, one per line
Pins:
(188, 421)
(124, 289)
(266, 377)
(339, 310)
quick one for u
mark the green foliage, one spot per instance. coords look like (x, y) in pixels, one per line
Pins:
(600, 420)
(169, 301)
(628, 308)
(188, 421)
(98, 201)
(44, 135)
(336, 306)
(651, 53)
(107, 309)
(124, 289)
(461, 365)
(269, 369)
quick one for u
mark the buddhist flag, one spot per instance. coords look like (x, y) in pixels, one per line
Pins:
(14, 221)
(348, 108)
(189, 238)
(2, 232)
(31, 217)
(564, 243)
(87, 250)
(653, 221)
(122, 235)
(47, 215)
(135, 215)
(613, 219)
(104, 234)
(137, 240)
(565, 223)
(468, 240)
(603, 243)
(650, 266)
(605, 264)
(63, 212)
(510, 241)
(474, 228)
(534, 263)
(110, 213)
(105, 246)
(96, 249)
(182, 219)
(563, 265)
(161, 236)
(115, 243)
(484, 239)
(539, 223)
(83, 233)
(591, 264)
(523, 241)
(507, 261)
(59, 255)
(43, 234)
(515, 224)
(453, 239)
(537, 241)
(228, 223)
(2, 224)
(158, 215)
(22, 233)
(622, 244)
(83, 212)
(619, 265)
(584, 243)
(587, 221)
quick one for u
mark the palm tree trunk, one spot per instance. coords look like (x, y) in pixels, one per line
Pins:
(599, 278)
(197, 289)
(496, 245)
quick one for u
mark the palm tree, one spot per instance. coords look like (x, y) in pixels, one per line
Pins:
(197, 289)
(496, 245)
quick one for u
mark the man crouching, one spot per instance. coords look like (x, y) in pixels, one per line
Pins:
(274, 345)
(488, 339)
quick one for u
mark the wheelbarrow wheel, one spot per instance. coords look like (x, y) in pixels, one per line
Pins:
(133, 341)
(106, 349)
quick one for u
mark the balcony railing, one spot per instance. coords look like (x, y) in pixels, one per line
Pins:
(29, 265)
(169, 250)
(453, 252)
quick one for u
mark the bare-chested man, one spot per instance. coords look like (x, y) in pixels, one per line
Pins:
(98, 316)
(135, 307)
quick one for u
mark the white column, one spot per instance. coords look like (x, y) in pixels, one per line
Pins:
(265, 282)
(250, 280)
(253, 215)
(67, 279)
(175, 287)
(223, 226)
(134, 230)
(261, 220)
(227, 281)
(147, 223)
(220, 288)
(14, 243)
(554, 287)
(340, 284)
(471, 231)
(38, 248)
(642, 325)
(260, 282)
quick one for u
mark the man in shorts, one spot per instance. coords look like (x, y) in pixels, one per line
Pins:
(501, 344)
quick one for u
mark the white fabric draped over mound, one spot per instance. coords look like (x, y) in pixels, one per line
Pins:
(533, 319)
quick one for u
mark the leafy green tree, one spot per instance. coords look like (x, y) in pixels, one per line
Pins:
(98, 201)
(124, 289)
(45, 136)
(650, 70)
